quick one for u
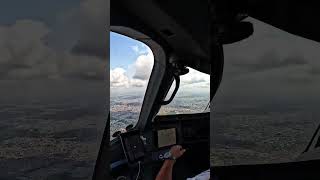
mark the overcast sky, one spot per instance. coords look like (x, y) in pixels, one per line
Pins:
(53, 40)
(271, 66)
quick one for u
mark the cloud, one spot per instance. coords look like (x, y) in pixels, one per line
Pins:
(270, 60)
(25, 54)
(88, 49)
(270, 52)
(92, 17)
(75, 47)
(138, 83)
(87, 24)
(196, 79)
(143, 66)
(118, 78)
(270, 66)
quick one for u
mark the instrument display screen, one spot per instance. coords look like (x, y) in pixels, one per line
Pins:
(166, 137)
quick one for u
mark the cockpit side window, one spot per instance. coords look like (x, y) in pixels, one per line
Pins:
(193, 95)
(131, 63)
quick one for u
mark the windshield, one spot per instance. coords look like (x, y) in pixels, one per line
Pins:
(131, 63)
(193, 95)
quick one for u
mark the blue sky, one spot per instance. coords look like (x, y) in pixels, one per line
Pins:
(131, 63)
(122, 51)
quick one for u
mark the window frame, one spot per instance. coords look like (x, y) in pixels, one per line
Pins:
(157, 72)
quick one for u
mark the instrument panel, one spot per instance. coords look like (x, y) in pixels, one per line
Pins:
(148, 148)
(133, 146)
(166, 137)
(180, 129)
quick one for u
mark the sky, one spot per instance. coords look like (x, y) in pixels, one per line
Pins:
(53, 57)
(131, 63)
(15, 9)
(51, 40)
(271, 66)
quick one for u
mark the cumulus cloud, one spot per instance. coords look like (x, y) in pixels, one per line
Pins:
(118, 78)
(270, 65)
(81, 30)
(142, 69)
(138, 83)
(196, 79)
(271, 51)
(26, 55)
(73, 47)
(143, 66)
(87, 25)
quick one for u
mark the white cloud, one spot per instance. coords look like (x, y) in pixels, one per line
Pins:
(118, 78)
(142, 69)
(25, 55)
(138, 83)
(196, 79)
(143, 66)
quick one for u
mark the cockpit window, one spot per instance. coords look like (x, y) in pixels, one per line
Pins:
(131, 63)
(192, 97)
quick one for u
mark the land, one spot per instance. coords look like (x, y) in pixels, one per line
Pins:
(240, 133)
(47, 132)
(259, 135)
(125, 109)
(60, 139)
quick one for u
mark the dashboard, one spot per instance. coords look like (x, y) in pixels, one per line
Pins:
(132, 146)
(148, 149)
